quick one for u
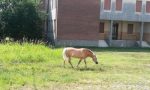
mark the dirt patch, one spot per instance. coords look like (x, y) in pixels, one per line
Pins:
(87, 87)
(147, 65)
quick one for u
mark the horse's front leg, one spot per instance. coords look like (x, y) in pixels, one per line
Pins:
(70, 62)
(85, 63)
(64, 63)
(79, 62)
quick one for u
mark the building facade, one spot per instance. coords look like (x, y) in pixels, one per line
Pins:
(101, 23)
(125, 22)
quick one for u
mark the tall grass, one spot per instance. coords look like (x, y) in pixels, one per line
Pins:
(21, 62)
(27, 52)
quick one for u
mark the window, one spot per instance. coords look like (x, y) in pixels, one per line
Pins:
(118, 5)
(148, 6)
(138, 5)
(107, 4)
(130, 28)
(101, 29)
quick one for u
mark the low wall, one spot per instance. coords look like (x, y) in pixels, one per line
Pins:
(124, 43)
(77, 43)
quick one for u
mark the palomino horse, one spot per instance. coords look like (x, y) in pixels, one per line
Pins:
(81, 53)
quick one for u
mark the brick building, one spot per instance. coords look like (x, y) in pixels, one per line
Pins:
(101, 23)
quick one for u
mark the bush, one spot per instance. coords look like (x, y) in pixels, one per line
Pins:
(20, 18)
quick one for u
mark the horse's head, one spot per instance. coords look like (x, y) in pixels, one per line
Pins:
(95, 59)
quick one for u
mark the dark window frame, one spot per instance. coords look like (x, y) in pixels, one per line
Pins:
(140, 7)
(107, 8)
(118, 9)
(130, 28)
(101, 27)
(147, 7)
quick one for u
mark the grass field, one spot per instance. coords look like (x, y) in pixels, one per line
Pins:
(38, 67)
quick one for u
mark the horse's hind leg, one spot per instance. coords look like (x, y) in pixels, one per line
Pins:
(79, 62)
(64, 63)
(70, 62)
(85, 63)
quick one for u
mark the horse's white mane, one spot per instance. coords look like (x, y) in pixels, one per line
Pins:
(91, 51)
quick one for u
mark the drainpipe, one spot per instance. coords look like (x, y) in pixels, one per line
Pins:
(55, 32)
(141, 33)
(110, 34)
(111, 24)
(142, 24)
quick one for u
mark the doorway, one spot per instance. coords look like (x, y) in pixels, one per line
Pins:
(115, 31)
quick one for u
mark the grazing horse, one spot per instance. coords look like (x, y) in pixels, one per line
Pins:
(81, 53)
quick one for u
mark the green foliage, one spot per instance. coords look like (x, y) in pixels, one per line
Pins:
(20, 18)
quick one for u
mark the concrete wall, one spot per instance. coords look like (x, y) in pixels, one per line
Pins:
(128, 12)
(123, 43)
(77, 43)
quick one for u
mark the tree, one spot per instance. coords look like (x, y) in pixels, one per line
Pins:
(20, 18)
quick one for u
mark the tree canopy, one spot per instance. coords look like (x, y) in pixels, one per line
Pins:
(20, 18)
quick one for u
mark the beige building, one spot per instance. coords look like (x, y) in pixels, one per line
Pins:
(125, 22)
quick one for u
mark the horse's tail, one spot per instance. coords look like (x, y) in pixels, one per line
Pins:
(64, 54)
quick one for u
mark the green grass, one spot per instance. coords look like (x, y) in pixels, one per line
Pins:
(38, 67)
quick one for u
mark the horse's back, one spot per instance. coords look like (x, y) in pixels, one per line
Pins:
(76, 52)
(76, 49)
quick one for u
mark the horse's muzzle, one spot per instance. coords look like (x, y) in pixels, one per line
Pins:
(96, 62)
